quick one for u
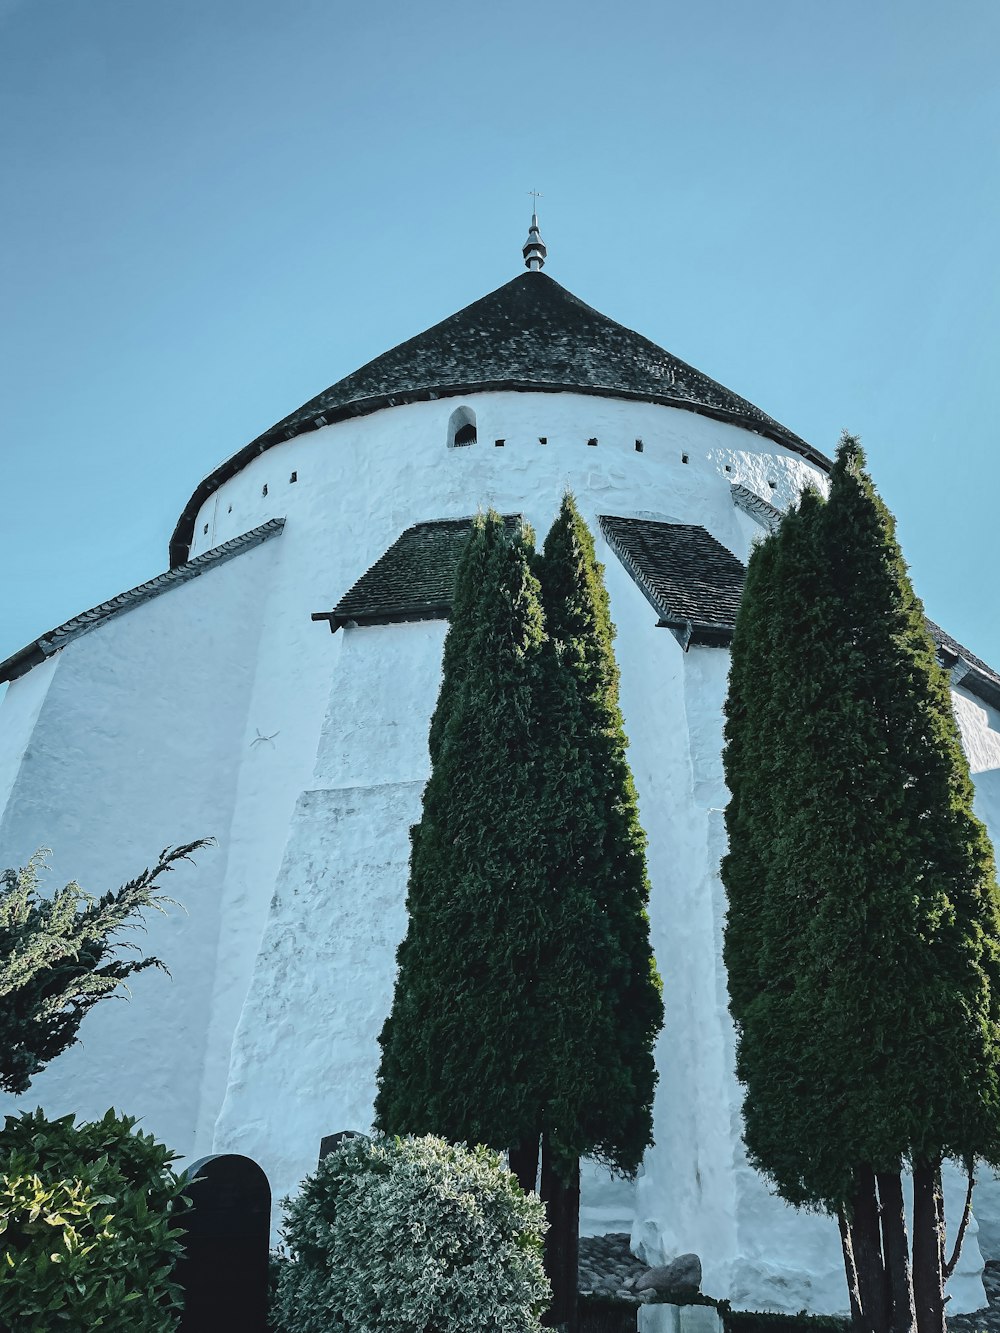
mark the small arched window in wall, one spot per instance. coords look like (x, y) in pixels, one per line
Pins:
(461, 428)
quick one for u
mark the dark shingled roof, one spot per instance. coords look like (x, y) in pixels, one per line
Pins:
(695, 586)
(414, 580)
(690, 579)
(530, 334)
(47, 644)
(966, 669)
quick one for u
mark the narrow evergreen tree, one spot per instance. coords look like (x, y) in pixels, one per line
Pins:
(864, 920)
(464, 1053)
(526, 1003)
(602, 988)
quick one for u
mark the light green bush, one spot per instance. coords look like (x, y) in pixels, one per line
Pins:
(87, 1239)
(412, 1235)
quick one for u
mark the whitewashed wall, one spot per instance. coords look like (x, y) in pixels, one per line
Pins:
(222, 708)
(136, 746)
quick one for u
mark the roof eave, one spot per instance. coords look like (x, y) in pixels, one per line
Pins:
(697, 633)
(404, 616)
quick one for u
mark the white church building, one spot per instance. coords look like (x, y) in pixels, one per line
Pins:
(215, 701)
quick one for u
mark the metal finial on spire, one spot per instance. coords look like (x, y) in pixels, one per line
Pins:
(534, 250)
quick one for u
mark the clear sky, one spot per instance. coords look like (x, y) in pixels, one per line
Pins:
(213, 209)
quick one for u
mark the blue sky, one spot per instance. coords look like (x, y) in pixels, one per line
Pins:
(215, 209)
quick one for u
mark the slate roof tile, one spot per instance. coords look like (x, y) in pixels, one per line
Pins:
(531, 334)
(688, 577)
(413, 580)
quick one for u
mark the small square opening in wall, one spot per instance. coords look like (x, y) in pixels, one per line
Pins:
(263, 489)
(543, 439)
(773, 484)
(205, 530)
(684, 458)
(293, 477)
(639, 446)
(499, 443)
(593, 441)
(728, 468)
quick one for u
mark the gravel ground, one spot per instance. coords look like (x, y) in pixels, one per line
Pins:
(606, 1263)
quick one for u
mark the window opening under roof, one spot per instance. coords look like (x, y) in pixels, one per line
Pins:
(461, 428)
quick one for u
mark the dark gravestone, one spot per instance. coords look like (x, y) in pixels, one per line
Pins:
(224, 1267)
(329, 1142)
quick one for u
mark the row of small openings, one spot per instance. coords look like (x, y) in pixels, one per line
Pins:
(263, 490)
(462, 432)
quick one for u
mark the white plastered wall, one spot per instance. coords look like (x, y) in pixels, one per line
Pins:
(296, 954)
(135, 746)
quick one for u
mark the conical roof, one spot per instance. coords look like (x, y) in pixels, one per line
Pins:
(530, 334)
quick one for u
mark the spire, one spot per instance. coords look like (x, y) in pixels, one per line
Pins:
(534, 247)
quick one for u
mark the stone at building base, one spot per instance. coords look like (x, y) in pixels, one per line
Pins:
(682, 1275)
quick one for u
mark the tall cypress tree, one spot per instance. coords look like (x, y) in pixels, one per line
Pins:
(602, 988)
(862, 941)
(460, 1051)
(527, 1003)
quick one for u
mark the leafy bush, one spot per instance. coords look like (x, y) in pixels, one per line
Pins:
(86, 1240)
(412, 1236)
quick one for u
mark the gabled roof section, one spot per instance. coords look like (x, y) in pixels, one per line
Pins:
(41, 648)
(531, 334)
(413, 580)
(691, 580)
(695, 585)
(965, 668)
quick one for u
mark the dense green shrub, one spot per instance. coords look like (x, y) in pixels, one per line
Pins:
(87, 1239)
(411, 1236)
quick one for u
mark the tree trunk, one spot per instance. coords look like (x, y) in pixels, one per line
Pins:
(895, 1247)
(949, 1267)
(561, 1195)
(928, 1247)
(866, 1243)
(851, 1270)
(523, 1161)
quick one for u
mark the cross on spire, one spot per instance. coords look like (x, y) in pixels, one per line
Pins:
(534, 250)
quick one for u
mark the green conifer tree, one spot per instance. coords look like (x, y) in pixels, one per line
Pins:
(464, 1054)
(864, 918)
(527, 1003)
(60, 955)
(603, 991)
